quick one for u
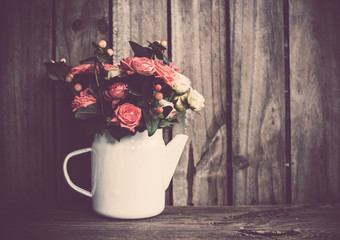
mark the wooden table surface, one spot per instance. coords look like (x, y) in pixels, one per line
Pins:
(244, 222)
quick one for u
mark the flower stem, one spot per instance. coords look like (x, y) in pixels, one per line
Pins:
(98, 85)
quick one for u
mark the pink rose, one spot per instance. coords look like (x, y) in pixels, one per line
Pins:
(87, 68)
(140, 65)
(83, 100)
(116, 92)
(171, 65)
(166, 73)
(126, 65)
(128, 116)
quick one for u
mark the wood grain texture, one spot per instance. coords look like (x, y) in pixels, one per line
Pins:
(139, 21)
(237, 223)
(258, 105)
(78, 23)
(26, 96)
(198, 47)
(315, 114)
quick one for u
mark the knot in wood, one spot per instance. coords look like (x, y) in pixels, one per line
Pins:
(103, 25)
(240, 162)
(76, 25)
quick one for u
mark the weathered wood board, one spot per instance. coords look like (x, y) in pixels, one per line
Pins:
(215, 222)
(198, 46)
(27, 170)
(139, 21)
(315, 93)
(78, 23)
(258, 105)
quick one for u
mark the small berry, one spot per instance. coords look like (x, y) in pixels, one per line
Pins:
(164, 43)
(110, 52)
(78, 87)
(159, 109)
(69, 77)
(158, 87)
(102, 43)
(159, 96)
(63, 60)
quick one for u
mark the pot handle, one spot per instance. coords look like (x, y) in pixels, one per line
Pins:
(67, 177)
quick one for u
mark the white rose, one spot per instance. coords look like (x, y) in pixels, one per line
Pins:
(113, 72)
(182, 84)
(195, 100)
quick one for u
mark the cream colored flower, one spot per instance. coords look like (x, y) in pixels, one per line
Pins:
(113, 72)
(195, 100)
(182, 84)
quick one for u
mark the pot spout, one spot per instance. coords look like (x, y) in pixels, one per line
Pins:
(173, 153)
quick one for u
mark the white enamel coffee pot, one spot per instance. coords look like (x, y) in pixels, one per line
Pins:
(130, 176)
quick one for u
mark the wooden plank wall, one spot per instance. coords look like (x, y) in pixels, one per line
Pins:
(315, 115)
(37, 129)
(199, 47)
(27, 154)
(258, 105)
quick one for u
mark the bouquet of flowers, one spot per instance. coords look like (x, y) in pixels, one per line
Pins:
(144, 92)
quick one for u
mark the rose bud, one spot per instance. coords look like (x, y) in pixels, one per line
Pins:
(110, 52)
(69, 77)
(63, 60)
(159, 109)
(159, 41)
(164, 43)
(78, 87)
(159, 96)
(102, 43)
(52, 61)
(158, 87)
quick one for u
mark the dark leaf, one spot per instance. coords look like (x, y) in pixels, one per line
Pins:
(88, 112)
(95, 45)
(150, 121)
(140, 51)
(147, 91)
(58, 70)
(134, 93)
(167, 110)
(94, 90)
(87, 60)
(94, 125)
(119, 132)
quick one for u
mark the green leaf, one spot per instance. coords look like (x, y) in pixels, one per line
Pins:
(150, 121)
(88, 112)
(58, 70)
(165, 123)
(140, 51)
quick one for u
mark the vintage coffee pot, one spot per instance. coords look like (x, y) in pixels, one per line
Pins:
(130, 176)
